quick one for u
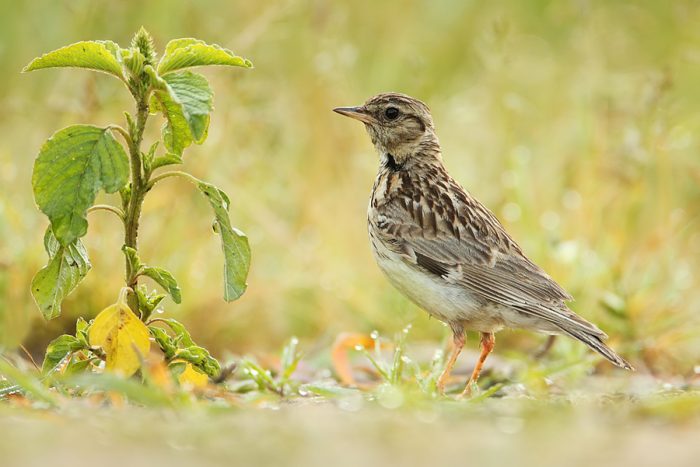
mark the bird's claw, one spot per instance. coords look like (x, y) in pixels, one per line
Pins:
(467, 393)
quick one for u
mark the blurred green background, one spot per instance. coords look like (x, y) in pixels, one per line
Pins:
(576, 122)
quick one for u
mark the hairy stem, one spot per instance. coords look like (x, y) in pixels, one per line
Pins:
(139, 187)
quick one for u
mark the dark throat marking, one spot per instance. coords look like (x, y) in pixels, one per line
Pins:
(391, 163)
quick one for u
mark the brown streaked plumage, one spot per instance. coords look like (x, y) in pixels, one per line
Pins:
(446, 251)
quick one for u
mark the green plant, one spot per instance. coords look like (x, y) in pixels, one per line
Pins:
(264, 380)
(80, 160)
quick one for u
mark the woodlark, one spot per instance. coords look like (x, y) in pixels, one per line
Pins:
(446, 251)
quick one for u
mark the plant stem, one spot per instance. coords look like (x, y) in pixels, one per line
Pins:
(125, 134)
(174, 173)
(107, 207)
(139, 187)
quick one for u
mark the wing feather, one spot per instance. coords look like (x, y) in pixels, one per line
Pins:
(471, 247)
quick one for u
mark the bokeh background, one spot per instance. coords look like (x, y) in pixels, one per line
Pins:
(576, 122)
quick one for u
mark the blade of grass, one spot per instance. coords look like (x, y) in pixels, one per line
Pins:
(28, 384)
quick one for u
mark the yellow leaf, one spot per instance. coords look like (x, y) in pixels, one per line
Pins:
(122, 335)
(193, 378)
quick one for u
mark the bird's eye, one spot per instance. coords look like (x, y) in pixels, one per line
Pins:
(391, 113)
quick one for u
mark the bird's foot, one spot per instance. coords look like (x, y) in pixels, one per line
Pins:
(440, 388)
(469, 389)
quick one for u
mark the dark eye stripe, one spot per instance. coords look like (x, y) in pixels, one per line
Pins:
(420, 123)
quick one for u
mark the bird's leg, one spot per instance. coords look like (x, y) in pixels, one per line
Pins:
(488, 342)
(545, 348)
(459, 339)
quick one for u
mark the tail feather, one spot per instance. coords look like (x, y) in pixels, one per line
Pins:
(560, 316)
(596, 343)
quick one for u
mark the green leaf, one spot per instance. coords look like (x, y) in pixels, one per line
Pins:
(176, 131)
(168, 159)
(193, 92)
(149, 157)
(134, 61)
(148, 302)
(67, 266)
(94, 55)
(76, 365)
(187, 52)
(132, 259)
(182, 347)
(234, 244)
(164, 341)
(82, 328)
(182, 336)
(165, 280)
(186, 101)
(200, 357)
(72, 166)
(258, 374)
(58, 350)
(290, 359)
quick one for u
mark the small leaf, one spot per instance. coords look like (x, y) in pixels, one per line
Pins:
(192, 377)
(149, 157)
(168, 159)
(176, 131)
(181, 349)
(165, 280)
(67, 266)
(132, 259)
(160, 275)
(200, 357)
(187, 52)
(262, 377)
(58, 350)
(94, 55)
(77, 365)
(81, 331)
(72, 166)
(290, 359)
(134, 61)
(122, 336)
(234, 244)
(182, 336)
(164, 341)
(148, 302)
(186, 101)
(193, 92)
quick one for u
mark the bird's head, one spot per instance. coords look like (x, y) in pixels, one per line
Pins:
(398, 125)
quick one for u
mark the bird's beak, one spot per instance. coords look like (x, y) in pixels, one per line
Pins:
(358, 113)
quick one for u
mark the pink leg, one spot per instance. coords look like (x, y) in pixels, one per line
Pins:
(459, 340)
(488, 342)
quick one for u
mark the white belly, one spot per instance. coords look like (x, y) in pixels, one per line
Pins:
(449, 303)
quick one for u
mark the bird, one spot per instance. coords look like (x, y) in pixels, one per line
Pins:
(446, 251)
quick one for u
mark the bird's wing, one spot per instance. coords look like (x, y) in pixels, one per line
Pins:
(458, 239)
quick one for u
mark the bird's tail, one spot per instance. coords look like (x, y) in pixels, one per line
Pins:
(595, 342)
(575, 326)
